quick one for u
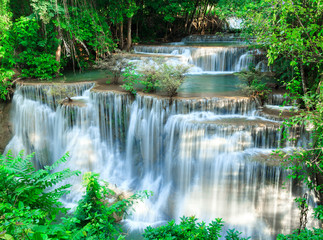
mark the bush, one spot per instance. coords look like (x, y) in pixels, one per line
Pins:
(253, 84)
(171, 78)
(25, 48)
(29, 198)
(101, 208)
(114, 64)
(189, 228)
(131, 79)
(5, 83)
(38, 65)
(150, 75)
(161, 75)
(315, 234)
(30, 206)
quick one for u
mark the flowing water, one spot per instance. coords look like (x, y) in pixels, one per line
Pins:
(200, 156)
(207, 59)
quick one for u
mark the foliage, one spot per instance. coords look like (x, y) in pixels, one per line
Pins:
(151, 73)
(152, 76)
(171, 77)
(101, 208)
(29, 198)
(291, 30)
(253, 84)
(189, 228)
(315, 234)
(39, 66)
(26, 49)
(306, 164)
(89, 31)
(131, 79)
(5, 83)
(114, 64)
(5, 23)
(30, 205)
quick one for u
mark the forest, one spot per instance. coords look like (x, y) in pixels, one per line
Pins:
(42, 40)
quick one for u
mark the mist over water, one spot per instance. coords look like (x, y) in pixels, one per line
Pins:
(201, 156)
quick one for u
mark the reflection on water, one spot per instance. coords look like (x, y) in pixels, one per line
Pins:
(89, 75)
(221, 83)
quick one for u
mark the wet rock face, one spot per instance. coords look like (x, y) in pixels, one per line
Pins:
(5, 125)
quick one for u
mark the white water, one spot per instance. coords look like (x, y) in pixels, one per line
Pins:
(207, 59)
(202, 157)
(197, 155)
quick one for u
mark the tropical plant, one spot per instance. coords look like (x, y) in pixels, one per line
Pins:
(5, 83)
(306, 163)
(100, 209)
(190, 228)
(151, 73)
(114, 64)
(254, 84)
(171, 78)
(30, 206)
(130, 78)
(29, 198)
(315, 234)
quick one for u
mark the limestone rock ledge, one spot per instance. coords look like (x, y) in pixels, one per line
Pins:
(5, 125)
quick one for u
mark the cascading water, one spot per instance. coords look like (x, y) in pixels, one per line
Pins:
(207, 59)
(208, 157)
(199, 156)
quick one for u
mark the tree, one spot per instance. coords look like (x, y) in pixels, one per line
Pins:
(292, 30)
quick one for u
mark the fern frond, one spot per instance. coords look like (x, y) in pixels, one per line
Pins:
(58, 162)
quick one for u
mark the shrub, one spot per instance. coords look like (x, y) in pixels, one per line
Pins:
(38, 65)
(171, 77)
(252, 84)
(150, 75)
(30, 204)
(30, 198)
(24, 47)
(101, 208)
(189, 228)
(114, 64)
(5, 83)
(165, 76)
(131, 79)
(315, 234)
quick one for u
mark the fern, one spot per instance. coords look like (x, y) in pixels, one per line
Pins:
(29, 197)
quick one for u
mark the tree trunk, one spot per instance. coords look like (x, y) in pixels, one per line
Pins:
(58, 53)
(58, 50)
(137, 29)
(187, 16)
(121, 36)
(116, 32)
(204, 20)
(192, 17)
(129, 40)
(304, 82)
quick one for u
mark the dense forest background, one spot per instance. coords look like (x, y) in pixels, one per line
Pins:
(41, 38)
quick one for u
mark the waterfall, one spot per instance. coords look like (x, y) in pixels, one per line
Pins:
(222, 59)
(200, 156)
(211, 38)
(208, 59)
